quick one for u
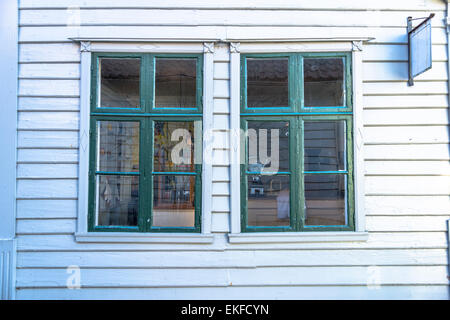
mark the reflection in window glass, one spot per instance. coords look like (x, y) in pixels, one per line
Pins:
(118, 149)
(173, 146)
(175, 83)
(119, 82)
(173, 201)
(324, 143)
(323, 82)
(117, 200)
(268, 200)
(268, 146)
(267, 83)
(325, 199)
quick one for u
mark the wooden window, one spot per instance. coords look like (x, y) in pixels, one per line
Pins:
(145, 142)
(297, 170)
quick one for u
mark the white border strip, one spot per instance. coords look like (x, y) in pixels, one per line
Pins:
(130, 237)
(358, 138)
(235, 175)
(208, 106)
(83, 139)
(237, 40)
(297, 237)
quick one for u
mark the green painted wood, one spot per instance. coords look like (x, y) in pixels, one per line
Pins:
(292, 113)
(131, 114)
(113, 173)
(95, 80)
(298, 158)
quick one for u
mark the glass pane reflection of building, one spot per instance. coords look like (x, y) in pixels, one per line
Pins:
(325, 199)
(173, 194)
(117, 158)
(267, 83)
(117, 200)
(120, 83)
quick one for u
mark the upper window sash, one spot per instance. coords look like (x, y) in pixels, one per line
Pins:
(96, 83)
(147, 84)
(198, 106)
(296, 84)
(282, 61)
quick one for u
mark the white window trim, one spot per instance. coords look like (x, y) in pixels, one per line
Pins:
(88, 46)
(354, 46)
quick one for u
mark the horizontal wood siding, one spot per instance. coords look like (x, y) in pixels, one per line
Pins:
(406, 136)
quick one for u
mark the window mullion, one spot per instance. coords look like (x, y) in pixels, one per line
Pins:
(198, 199)
(147, 83)
(293, 146)
(300, 83)
(299, 161)
(350, 174)
(348, 81)
(297, 147)
(147, 164)
(293, 82)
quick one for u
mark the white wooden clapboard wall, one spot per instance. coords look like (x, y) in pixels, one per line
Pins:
(406, 158)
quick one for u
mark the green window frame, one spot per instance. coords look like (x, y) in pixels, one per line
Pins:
(296, 114)
(146, 114)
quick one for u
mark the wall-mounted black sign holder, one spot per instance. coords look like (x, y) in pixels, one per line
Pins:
(419, 47)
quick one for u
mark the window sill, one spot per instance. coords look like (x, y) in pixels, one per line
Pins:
(296, 237)
(131, 237)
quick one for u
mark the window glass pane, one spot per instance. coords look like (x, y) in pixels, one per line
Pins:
(173, 146)
(120, 82)
(118, 149)
(267, 83)
(325, 199)
(323, 82)
(117, 200)
(268, 146)
(325, 145)
(175, 83)
(268, 200)
(173, 201)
